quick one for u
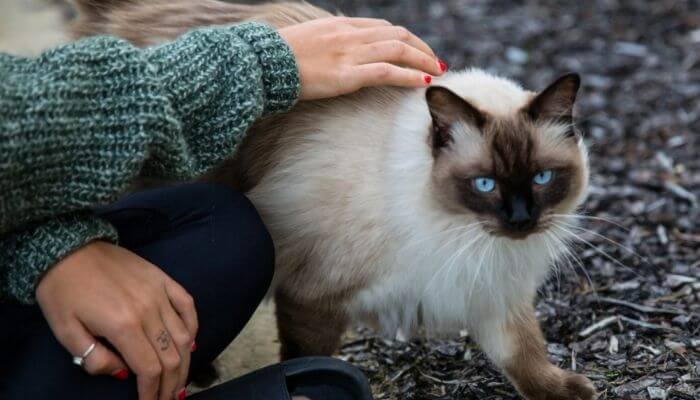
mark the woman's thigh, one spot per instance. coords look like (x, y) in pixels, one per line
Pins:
(208, 238)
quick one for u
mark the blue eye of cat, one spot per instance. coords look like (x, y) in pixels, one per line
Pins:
(484, 184)
(543, 177)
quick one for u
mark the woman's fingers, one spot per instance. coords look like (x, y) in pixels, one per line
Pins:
(101, 360)
(327, 51)
(132, 343)
(398, 52)
(122, 296)
(384, 33)
(184, 305)
(386, 74)
(169, 357)
(182, 339)
(181, 321)
(365, 22)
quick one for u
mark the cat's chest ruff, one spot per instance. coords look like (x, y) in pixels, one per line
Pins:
(451, 284)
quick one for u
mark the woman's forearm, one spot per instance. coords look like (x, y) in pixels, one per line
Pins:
(79, 123)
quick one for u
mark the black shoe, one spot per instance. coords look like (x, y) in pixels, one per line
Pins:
(318, 378)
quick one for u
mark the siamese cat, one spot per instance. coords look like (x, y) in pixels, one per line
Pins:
(442, 207)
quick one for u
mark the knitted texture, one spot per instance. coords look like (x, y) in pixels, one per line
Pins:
(79, 123)
(46, 247)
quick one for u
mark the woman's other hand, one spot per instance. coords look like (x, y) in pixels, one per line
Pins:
(340, 55)
(104, 292)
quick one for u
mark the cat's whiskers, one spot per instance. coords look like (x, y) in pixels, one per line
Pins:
(552, 253)
(425, 238)
(607, 239)
(473, 227)
(467, 229)
(590, 217)
(485, 248)
(597, 249)
(476, 240)
(450, 260)
(577, 260)
(569, 254)
(453, 256)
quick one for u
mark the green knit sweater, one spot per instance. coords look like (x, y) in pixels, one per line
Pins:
(79, 123)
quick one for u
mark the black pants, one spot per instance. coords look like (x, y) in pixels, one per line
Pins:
(208, 238)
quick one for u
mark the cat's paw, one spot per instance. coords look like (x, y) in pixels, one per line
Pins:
(559, 385)
(578, 387)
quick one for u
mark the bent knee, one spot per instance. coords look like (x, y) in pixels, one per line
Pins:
(246, 237)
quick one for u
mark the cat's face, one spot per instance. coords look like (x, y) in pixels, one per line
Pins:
(512, 173)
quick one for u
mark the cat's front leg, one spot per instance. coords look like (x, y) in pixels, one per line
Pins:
(516, 344)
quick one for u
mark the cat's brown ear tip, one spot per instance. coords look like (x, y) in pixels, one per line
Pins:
(574, 78)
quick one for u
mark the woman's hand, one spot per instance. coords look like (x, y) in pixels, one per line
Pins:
(105, 292)
(340, 55)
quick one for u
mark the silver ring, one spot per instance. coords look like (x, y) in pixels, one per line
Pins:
(80, 361)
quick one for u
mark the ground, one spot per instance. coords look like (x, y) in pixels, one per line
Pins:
(627, 312)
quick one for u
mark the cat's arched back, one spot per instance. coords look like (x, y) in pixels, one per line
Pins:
(149, 22)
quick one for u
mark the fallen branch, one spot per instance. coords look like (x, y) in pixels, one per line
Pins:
(646, 325)
(616, 318)
(598, 325)
(638, 307)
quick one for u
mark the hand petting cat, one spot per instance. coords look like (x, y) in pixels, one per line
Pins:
(339, 55)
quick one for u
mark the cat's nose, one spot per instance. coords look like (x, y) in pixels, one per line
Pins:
(519, 216)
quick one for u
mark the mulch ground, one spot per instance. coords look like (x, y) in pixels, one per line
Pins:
(627, 316)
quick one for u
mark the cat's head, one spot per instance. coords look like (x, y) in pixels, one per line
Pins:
(511, 159)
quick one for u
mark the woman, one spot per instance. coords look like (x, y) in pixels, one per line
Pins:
(150, 289)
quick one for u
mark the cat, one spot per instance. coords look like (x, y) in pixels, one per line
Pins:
(442, 207)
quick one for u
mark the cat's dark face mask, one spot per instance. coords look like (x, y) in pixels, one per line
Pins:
(528, 167)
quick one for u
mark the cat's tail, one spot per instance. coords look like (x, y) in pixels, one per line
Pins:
(148, 22)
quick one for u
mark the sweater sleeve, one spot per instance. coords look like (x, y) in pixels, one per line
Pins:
(79, 123)
(25, 256)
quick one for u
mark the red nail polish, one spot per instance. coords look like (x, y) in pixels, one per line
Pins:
(443, 65)
(182, 394)
(193, 347)
(427, 79)
(122, 374)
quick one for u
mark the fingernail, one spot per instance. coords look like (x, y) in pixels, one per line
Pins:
(194, 346)
(443, 65)
(121, 374)
(427, 79)
(182, 394)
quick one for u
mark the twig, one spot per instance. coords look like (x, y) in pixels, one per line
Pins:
(650, 349)
(438, 380)
(681, 192)
(401, 372)
(598, 325)
(687, 237)
(646, 325)
(638, 307)
(616, 318)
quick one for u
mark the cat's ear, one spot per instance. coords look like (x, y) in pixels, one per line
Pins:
(557, 100)
(446, 108)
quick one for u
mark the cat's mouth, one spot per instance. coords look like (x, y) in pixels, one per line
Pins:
(517, 235)
(520, 232)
